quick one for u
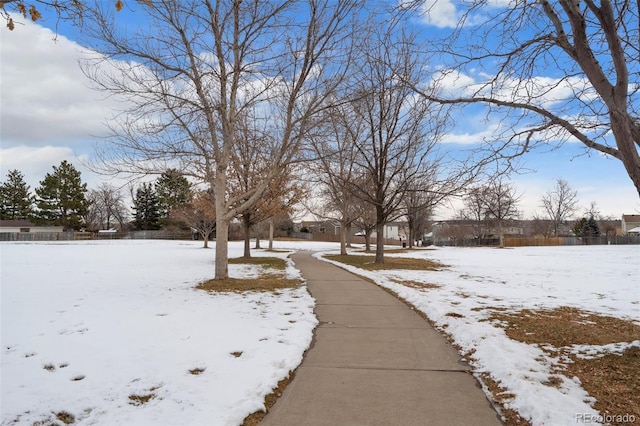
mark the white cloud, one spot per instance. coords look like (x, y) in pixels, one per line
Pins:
(34, 162)
(45, 96)
(441, 13)
(48, 112)
(470, 138)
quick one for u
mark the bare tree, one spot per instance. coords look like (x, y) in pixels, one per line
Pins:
(474, 209)
(418, 205)
(500, 204)
(334, 150)
(107, 208)
(202, 65)
(560, 203)
(279, 198)
(438, 181)
(559, 70)
(199, 214)
(366, 221)
(394, 133)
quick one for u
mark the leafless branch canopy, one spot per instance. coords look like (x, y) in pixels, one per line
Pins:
(200, 69)
(555, 71)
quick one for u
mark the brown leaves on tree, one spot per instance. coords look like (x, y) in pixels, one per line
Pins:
(34, 14)
(73, 8)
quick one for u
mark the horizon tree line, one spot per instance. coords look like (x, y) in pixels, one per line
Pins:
(272, 74)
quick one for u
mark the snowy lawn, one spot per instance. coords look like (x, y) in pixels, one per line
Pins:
(113, 332)
(479, 283)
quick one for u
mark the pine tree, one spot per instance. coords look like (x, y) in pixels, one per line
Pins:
(16, 202)
(61, 198)
(591, 228)
(586, 227)
(146, 208)
(579, 226)
(173, 190)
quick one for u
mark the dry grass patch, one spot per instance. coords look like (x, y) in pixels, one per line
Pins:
(265, 262)
(416, 284)
(567, 326)
(255, 418)
(368, 263)
(612, 379)
(502, 397)
(65, 417)
(138, 400)
(268, 281)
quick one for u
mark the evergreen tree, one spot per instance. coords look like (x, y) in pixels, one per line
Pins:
(16, 202)
(173, 190)
(586, 227)
(61, 197)
(579, 226)
(146, 208)
(591, 228)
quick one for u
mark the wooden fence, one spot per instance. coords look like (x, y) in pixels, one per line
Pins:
(571, 241)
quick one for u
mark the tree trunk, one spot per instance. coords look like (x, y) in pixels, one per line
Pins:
(271, 231)
(379, 243)
(367, 241)
(412, 234)
(343, 239)
(246, 222)
(621, 125)
(349, 234)
(257, 246)
(222, 248)
(206, 241)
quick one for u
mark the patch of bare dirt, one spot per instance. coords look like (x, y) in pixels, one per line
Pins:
(613, 379)
(271, 280)
(368, 263)
(416, 284)
(269, 400)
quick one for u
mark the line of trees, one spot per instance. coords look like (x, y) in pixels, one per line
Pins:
(59, 200)
(171, 202)
(234, 94)
(491, 205)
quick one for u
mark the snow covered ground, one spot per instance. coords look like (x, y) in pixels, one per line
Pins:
(86, 325)
(601, 279)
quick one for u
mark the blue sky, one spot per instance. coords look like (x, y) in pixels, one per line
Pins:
(49, 114)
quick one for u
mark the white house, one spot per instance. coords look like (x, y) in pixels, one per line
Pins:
(630, 224)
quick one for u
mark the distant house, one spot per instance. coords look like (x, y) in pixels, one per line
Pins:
(631, 224)
(396, 231)
(24, 226)
(331, 227)
(392, 230)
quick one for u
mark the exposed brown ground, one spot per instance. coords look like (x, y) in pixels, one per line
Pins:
(368, 263)
(612, 379)
(271, 279)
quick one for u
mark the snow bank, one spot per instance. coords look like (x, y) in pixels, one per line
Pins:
(601, 279)
(86, 325)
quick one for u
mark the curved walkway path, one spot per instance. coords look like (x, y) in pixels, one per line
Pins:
(374, 361)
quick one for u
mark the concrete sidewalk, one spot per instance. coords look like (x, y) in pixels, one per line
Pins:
(375, 362)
